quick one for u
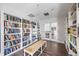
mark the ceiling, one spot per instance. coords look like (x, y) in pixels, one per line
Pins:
(38, 9)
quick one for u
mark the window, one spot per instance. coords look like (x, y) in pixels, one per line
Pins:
(47, 27)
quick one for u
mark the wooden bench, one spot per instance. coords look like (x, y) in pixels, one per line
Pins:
(32, 49)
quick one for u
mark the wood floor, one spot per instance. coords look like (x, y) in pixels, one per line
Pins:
(53, 49)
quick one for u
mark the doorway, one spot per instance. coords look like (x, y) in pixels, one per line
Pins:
(51, 31)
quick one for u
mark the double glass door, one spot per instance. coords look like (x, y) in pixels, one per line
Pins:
(51, 31)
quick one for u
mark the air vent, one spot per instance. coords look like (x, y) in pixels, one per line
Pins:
(31, 15)
(46, 14)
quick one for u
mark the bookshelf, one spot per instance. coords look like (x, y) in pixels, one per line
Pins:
(73, 30)
(12, 33)
(78, 28)
(34, 31)
(26, 26)
(38, 31)
(0, 33)
(16, 33)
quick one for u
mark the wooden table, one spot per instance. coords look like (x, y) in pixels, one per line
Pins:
(35, 47)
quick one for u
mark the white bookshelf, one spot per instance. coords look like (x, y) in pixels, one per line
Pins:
(34, 31)
(19, 31)
(78, 29)
(0, 33)
(72, 35)
(12, 33)
(26, 25)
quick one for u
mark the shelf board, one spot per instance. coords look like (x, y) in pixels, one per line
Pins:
(12, 40)
(26, 28)
(12, 33)
(74, 35)
(13, 27)
(25, 32)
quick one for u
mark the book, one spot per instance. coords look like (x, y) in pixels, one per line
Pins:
(7, 44)
(12, 37)
(6, 37)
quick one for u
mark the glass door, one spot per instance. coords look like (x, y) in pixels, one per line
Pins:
(47, 31)
(53, 31)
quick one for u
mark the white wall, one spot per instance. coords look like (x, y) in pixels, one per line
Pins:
(61, 29)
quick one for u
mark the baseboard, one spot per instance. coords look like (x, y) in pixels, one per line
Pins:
(54, 41)
(61, 42)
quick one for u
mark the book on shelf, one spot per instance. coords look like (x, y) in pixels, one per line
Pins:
(73, 49)
(11, 49)
(11, 18)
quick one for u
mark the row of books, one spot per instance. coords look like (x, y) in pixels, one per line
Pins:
(25, 21)
(33, 23)
(12, 18)
(33, 37)
(12, 37)
(24, 25)
(11, 49)
(10, 24)
(26, 30)
(47, 35)
(11, 43)
(25, 38)
(25, 43)
(9, 30)
(73, 40)
(73, 49)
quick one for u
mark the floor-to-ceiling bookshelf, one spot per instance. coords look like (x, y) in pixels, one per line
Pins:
(0, 33)
(38, 31)
(34, 31)
(26, 25)
(12, 33)
(72, 30)
(16, 33)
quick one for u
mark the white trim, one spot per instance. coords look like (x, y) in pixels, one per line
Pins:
(54, 41)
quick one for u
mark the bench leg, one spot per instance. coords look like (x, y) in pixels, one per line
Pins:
(41, 50)
(46, 44)
(24, 54)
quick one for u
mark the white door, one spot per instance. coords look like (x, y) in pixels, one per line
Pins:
(47, 31)
(53, 32)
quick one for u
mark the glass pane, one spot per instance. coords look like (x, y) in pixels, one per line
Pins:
(47, 27)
